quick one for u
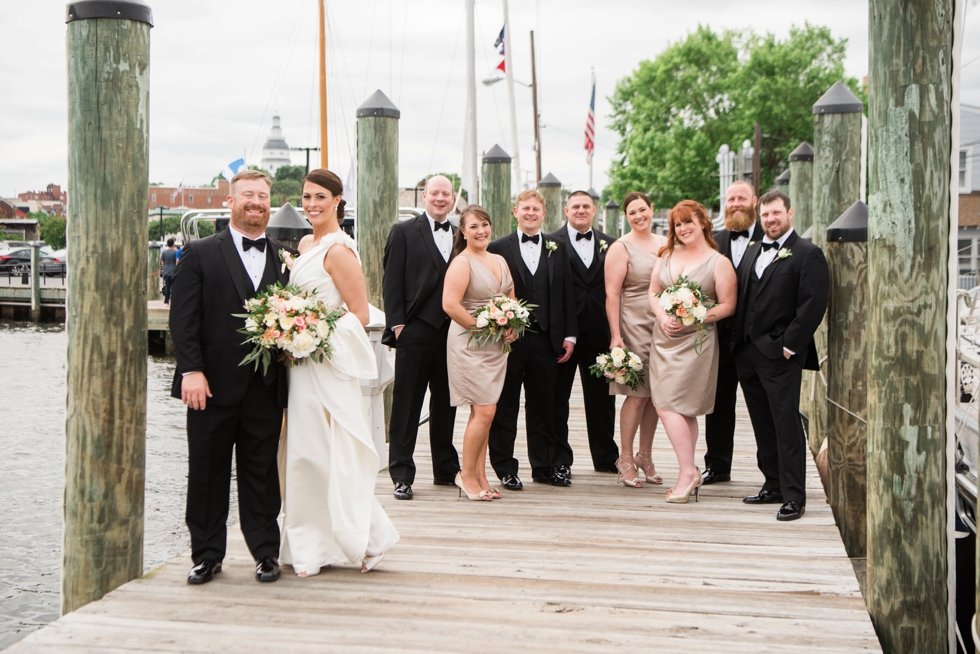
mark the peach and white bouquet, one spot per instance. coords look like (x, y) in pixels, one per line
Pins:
(289, 325)
(621, 366)
(497, 316)
(688, 302)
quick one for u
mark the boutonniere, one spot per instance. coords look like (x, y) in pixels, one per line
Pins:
(287, 260)
(785, 253)
(751, 243)
(603, 246)
(550, 246)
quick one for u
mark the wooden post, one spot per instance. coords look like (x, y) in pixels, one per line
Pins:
(550, 188)
(781, 183)
(36, 283)
(836, 186)
(496, 190)
(757, 160)
(909, 164)
(847, 376)
(801, 186)
(611, 226)
(108, 48)
(153, 291)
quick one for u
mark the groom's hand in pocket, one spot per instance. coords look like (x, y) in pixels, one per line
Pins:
(194, 390)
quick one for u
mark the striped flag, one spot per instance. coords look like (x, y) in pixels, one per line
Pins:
(500, 43)
(173, 196)
(590, 126)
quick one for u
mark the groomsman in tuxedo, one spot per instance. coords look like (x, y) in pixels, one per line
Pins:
(415, 261)
(741, 228)
(231, 408)
(539, 266)
(781, 300)
(586, 248)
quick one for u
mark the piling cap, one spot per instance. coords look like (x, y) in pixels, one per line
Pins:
(124, 9)
(549, 180)
(838, 100)
(378, 105)
(783, 179)
(287, 225)
(612, 204)
(803, 152)
(808, 234)
(595, 196)
(496, 155)
(851, 226)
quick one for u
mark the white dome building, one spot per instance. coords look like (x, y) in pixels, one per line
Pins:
(275, 152)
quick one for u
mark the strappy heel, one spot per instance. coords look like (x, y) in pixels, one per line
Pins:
(683, 498)
(627, 474)
(644, 464)
(483, 495)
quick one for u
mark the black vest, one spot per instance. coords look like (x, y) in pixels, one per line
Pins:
(268, 279)
(536, 291)
(752, 292)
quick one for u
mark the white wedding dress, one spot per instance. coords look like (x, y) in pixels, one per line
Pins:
(328, 461)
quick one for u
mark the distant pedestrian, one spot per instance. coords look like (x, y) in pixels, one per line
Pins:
(168, 258)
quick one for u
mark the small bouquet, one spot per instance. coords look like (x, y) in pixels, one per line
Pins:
(620, 366)
(688, 302)
(498, 315)
(288, 324)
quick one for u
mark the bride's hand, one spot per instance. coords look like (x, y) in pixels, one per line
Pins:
(510, 335)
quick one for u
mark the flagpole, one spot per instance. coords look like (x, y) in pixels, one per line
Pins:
(592, 155)
(509, 72)
(469, 136)
(324, 162)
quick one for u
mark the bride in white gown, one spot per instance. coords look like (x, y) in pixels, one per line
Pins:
(328, 463)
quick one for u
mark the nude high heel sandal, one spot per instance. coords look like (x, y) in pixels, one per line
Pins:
(644, 464)
(483, 495)
(627, 474)
(683, 498)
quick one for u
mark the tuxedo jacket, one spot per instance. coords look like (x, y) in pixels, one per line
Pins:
(589, 287)
(785, 307)
(210, 285)
(723, 238)
(562, 317)
(414, 271)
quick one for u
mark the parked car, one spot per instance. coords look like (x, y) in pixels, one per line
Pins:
(15, 261)
(54, 263)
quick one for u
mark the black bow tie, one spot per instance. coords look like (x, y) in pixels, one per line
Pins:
(744, 233)
(534, 239)
(437, 226)
(248, 244)
(770, 246)
(587, 236)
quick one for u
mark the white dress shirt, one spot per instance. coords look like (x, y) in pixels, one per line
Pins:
(738, 246)
(531, 251)
(768, 256)
(254, 260)
(585, 246)
(442, 237)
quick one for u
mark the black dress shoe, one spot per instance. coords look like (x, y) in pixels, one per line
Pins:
(403, 490)
(711, 477)
(764, 497)
(611, 469)
(552, 477)
(267, 569)
(444, 482)
(204, 571)
(790, 511)
(564, 471)
(511, 482)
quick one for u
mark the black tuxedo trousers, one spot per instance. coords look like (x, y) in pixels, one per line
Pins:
(600, 408)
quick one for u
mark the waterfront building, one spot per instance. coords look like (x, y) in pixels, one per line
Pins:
(275, 152)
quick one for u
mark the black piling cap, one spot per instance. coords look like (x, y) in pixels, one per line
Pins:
(549, 180)
(803, 152)
(496, 155)
(287, 225)
(851, 227)
(612, 204)
(595, 196)
(378, 105)
(808, 234)
(838, 100)
(783, 179)
(124, 9)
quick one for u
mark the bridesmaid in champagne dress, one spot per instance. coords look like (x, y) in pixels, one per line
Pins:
(476, 374)
(686, 380)
(629, 264)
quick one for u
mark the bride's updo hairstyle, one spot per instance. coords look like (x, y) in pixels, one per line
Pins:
(459, 241)
(688, 211)
(328, 180)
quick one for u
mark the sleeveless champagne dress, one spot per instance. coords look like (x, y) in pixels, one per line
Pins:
(636, 318)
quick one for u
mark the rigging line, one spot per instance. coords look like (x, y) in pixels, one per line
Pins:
(445, 94)
(367, 69)
(577, 136)
(391, 49)
(339, 102)
(493, 91)
(350, 85)
(401, 74)
(313, 82)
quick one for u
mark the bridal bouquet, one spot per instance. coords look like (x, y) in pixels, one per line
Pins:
(621, 366)
(498, 315)
(688, 302)
(288, 324)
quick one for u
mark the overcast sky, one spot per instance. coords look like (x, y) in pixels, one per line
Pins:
(220, 70)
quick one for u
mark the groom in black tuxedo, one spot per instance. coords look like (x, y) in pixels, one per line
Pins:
(415, 261)
(230, 407)
(539, 267)
(586, 248)
(741, 228)
(782, 296)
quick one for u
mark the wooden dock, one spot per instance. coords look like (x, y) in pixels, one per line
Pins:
(590, 568)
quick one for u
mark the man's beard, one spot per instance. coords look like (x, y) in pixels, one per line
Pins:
(737, 220)
(239, 216)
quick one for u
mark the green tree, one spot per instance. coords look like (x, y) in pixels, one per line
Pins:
(291, 172)
(53, 232)
(285, 188)
(171, 225)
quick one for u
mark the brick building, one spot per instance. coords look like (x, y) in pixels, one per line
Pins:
(172, 197)
(53, 201)
(10, 210)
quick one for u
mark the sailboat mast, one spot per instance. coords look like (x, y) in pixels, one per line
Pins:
(469, 180)
(324, 161)
(515, 150)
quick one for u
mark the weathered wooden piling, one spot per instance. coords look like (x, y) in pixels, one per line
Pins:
(781, 183)
(108, 48)
(847, 376)
(153, 290)
(550, 188)
(611, 225)
(909, 175)
(801, 186)
(36, 282)
(496, 190)
(377, 186)
(836, 186)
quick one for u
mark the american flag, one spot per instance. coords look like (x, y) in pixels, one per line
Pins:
(173, 196)
(500, 43)
(590, 126)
